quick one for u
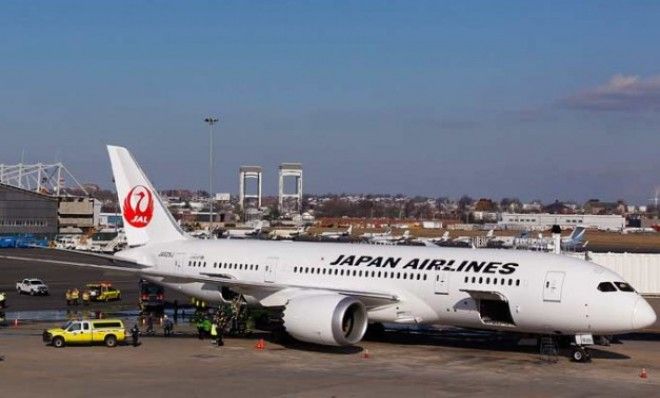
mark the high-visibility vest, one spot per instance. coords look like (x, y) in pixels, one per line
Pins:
(214, 330)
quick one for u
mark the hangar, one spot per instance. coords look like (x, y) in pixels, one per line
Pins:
(23, 211)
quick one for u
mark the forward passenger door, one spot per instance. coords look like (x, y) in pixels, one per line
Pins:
(552, 286)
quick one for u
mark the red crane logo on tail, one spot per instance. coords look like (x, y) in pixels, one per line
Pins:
(139, 206)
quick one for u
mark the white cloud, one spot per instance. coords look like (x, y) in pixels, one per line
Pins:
(621, 93)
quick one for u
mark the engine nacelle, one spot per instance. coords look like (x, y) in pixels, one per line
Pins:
(328, 319)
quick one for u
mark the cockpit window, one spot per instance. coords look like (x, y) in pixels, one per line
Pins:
(606, 287)
(624, 287)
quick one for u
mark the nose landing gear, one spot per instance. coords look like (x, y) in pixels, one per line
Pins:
(580, 352)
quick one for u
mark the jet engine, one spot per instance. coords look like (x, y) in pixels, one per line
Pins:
(328, 319)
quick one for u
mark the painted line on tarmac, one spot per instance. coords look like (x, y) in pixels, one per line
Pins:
(86, 265)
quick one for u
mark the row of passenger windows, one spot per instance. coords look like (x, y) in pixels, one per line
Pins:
(492, 281)
(359, 273)
(23, 223)
(239, 266)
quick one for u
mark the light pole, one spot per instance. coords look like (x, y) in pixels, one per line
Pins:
(211, 121)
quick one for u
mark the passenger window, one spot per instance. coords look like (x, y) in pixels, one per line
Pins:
(517, 282)
(624, 287)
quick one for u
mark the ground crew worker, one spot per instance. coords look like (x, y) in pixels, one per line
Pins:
(200, 326)
(150, 325)
(74, 296)
(85, 297)
(168, 326)
(221, 330)
(214, 333)
(135, 334)
(206, 325)
(68, 296)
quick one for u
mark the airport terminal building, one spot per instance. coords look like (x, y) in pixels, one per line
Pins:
(544, 221)
(23, 211)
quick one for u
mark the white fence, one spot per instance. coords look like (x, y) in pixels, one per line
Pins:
(642, 271)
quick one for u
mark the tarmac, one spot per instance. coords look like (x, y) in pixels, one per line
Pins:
(448, 362)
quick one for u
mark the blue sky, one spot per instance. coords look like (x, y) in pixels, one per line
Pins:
(530, 99)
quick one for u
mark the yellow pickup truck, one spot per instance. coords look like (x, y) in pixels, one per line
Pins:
(106, 331)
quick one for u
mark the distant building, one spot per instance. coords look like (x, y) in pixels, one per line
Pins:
(542, 221)
(23, 211)
(78, 213)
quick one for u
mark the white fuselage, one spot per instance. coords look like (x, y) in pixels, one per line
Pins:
(474, 288)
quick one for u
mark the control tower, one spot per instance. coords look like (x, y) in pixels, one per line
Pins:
(292, 201)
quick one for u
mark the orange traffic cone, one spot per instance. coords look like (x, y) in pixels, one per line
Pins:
(260, 344)
(644, 375)
(365, 354)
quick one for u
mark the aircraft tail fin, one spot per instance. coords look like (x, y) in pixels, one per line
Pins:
(146, 219)
(577, 235)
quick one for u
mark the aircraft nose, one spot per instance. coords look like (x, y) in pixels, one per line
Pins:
(643, 315)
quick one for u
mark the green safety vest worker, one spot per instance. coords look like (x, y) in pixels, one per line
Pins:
(214, 330)
(206, 324)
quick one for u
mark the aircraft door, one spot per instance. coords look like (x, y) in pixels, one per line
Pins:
(442, 282)
(179, 260)
(270, 269)
(552, 286)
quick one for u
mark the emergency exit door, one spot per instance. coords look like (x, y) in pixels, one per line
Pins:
(270, 269)
(554, 280)
(442, 282)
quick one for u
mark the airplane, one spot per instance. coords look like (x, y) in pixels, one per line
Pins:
(432, 242)
(286, 234)
(335, 235)
(327, 293)
(568, 243)
(389, 239)
(242, 233)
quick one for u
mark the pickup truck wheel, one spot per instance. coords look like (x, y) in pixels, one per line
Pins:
(110, 341)
(58, 342)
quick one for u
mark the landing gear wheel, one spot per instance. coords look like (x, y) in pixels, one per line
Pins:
(580, 354)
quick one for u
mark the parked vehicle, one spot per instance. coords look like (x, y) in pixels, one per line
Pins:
(103, 291)
(107, 331)
(152, 297)
(32, 286)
